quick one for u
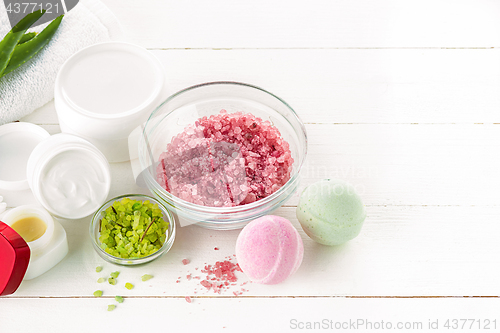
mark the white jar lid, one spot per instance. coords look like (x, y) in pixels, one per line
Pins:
(17, 141)
(105, 91)
(110, 80)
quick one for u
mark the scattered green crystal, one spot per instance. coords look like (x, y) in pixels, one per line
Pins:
(119, 299)
(112, 281)
(114, 275)
(98, 293)
(132, 229)
(129, 286)
(111, 307)
(146, 277)
(98, 269)
(101, 280)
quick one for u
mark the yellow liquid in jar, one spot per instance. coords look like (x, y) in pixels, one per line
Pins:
(30, 228)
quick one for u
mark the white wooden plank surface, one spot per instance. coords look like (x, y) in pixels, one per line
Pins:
(246, 314)
(436, 235)
(310, 24)
(394, 164)
(399, 97)
(401, 251)
(351, 86)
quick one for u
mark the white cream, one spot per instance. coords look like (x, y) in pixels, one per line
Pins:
(73, 183)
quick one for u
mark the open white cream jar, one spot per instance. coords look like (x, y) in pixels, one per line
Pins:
(69, 176)
(45, 237)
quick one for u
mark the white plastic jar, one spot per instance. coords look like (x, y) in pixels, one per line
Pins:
(105, 91)
(69, 176)
(50, 245)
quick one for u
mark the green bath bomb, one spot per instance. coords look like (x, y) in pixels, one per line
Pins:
(331, 212)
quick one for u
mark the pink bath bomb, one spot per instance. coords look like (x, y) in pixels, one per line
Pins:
(269, 249)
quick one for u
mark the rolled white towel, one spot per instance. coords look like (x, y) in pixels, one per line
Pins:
(32, 85)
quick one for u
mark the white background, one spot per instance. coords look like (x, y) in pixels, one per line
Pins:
(400, 98)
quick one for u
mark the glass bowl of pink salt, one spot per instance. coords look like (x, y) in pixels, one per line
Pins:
(222, 154)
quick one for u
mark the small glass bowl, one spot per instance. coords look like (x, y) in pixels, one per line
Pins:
(185, 108)
(94, 232)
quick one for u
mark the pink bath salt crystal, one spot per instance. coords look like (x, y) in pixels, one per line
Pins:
(225, 160)
(188, 277)
(188, 299)
(185, 261)
(206, 284)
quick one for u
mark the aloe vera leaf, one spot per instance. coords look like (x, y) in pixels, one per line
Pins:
(9, 43)
(26, 37)
(24, 52)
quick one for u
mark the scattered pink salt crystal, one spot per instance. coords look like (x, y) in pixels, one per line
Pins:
(219, 277)
(185, 261)
(206, 284)
(216, 248)
(188, 299)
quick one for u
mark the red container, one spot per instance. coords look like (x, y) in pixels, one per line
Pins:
(14, 259)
